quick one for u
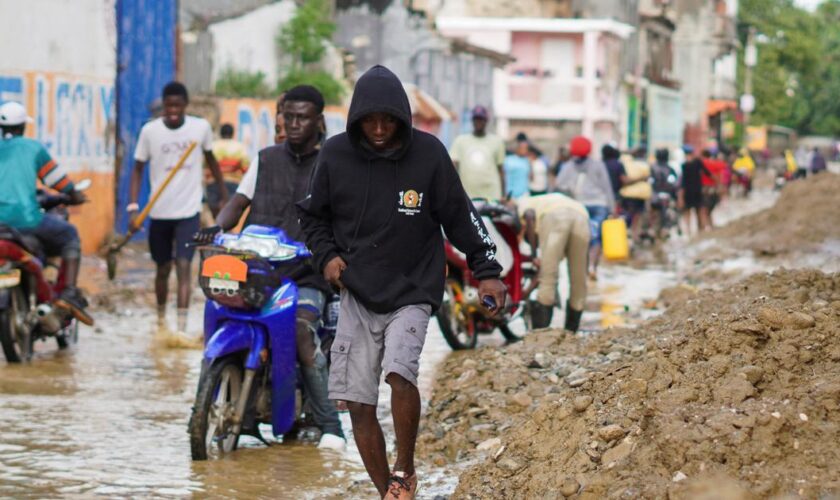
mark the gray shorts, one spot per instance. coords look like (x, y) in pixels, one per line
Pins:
(367, 343)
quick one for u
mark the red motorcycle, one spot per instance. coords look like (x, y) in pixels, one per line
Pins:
(461, 316)
(26, 295)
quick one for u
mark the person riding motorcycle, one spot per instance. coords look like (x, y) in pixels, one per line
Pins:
(664, 180)
(22, 162)
(277, 178)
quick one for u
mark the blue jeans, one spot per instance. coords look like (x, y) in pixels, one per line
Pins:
(57, 236)
(311, 302)
(597, 215)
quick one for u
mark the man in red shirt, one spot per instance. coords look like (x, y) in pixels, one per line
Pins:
(711, 183)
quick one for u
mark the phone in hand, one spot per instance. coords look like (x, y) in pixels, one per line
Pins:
(489, 302)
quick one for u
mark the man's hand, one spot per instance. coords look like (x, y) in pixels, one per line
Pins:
(333, 270)
(132, 210)
(206, 235)
(77, 198)
(493, 288)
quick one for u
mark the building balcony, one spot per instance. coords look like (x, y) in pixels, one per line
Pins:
(522, 97)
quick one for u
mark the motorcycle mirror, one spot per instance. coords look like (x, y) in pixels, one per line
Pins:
(83, 185)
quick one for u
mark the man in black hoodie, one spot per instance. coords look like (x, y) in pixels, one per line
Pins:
(379, 195)
(276, 180)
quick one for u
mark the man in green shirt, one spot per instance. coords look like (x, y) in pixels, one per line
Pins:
(478, 157)
(23, 162)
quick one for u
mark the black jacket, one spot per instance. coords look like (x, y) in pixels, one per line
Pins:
(282, 179)
(383, 213)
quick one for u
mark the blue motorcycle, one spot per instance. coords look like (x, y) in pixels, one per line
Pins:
(248, 374)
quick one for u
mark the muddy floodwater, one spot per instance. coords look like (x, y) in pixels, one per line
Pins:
(108, 417)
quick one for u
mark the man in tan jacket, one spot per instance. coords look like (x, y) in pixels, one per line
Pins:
(558, 227)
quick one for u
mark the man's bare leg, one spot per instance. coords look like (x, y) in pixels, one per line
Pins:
(162, 290)
(182, 269)
(405, 408)
(371, 443)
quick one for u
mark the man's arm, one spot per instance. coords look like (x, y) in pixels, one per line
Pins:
(55, 177)
(463, 226)
(499, 160)
(623, 179)
(531, 230)
(315, 213)
(213, 165)
(232, 211)
(501, 169)
(134, 190)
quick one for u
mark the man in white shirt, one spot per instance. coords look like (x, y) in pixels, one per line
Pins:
(175, 216)
(478, 157)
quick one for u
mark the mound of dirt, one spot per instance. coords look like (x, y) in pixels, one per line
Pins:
(728, 394)
(801, 219)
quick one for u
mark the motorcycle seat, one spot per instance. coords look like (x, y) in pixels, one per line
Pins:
(27, 242)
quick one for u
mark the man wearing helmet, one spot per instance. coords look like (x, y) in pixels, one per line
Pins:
(23, 162)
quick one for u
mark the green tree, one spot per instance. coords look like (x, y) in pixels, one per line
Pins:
(239, 83)
(797, 79)
(303, 41)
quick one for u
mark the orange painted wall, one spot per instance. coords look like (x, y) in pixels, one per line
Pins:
(74, 118)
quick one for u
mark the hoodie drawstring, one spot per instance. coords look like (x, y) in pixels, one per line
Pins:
(364, 208)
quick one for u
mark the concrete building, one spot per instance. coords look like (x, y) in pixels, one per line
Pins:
(705, 45)
(495, 8)
(452, 71)
(566, 78)
(246, 42)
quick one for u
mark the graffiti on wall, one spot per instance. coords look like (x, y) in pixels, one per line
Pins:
(73, 116)
(253, 121)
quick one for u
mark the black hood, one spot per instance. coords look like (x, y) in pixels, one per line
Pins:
(379, 90)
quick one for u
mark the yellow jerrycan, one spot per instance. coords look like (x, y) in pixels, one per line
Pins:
(614, 239)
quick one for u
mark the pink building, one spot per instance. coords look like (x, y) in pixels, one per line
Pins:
(566, 78)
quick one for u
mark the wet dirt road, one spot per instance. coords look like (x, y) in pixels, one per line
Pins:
(109, 417)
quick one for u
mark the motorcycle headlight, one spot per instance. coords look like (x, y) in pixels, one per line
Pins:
(283, 252)
(263, 247)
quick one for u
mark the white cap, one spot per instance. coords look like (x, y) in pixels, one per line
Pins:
(13, 113)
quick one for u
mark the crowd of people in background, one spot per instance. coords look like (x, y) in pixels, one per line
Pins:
(653, 191)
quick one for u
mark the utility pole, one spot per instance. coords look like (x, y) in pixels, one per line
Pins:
(750, 60)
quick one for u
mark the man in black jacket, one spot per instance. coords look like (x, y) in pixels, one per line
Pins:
(380, 193)
(276, 180)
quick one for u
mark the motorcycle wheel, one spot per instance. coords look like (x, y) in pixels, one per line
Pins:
(14, 333)
(215, 405)
(69, 336)
(456, 323)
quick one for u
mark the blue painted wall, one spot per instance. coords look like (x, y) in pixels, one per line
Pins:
(146, 45)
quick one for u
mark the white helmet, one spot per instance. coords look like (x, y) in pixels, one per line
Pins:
(13, 113)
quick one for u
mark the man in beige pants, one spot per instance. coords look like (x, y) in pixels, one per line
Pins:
(559, 227)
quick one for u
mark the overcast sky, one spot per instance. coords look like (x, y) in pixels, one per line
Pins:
(809, 4)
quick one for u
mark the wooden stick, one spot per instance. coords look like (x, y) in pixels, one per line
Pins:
(138, 222)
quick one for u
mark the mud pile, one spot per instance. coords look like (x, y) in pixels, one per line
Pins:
(801, 220)
(728, 394)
